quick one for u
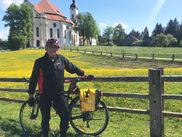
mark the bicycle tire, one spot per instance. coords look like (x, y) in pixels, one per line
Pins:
(31, 127)
(78, 126)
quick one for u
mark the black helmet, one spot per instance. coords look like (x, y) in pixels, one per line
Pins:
(53, 43)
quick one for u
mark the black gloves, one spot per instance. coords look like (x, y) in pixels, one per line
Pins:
(31, 101)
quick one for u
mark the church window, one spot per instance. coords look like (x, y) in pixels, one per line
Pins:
(38, 43)
(65, 34)
(37, 31)
(57, 33)
(54, 24)
(70, 35)
(51, 32)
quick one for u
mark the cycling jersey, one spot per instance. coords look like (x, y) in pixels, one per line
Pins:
(49, 74)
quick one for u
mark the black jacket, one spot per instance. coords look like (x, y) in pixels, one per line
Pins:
(49, 74)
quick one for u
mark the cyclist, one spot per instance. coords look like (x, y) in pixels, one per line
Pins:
(48, 72)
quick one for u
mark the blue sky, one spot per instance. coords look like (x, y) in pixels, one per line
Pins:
(132, 14)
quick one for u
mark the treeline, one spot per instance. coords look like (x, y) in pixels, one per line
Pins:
(162, 36)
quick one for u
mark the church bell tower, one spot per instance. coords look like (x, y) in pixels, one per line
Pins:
(73, 11)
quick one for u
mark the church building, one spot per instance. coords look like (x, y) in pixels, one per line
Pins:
(50, 22)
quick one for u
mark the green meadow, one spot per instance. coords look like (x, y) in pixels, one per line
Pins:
(19, 64)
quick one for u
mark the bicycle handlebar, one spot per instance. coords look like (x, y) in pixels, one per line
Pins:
(73, 83)
(88, 77)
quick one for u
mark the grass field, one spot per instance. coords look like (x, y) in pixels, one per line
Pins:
(20, 63)
(142, 52)
(132, 49)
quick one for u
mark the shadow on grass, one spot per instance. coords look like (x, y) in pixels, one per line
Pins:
(12, 128)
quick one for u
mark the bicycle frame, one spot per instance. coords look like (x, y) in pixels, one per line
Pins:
(76, 114)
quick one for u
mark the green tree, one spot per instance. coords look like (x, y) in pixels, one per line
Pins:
(15, 41)
(136, 34)
(107, 35)
(146, 38)
(180, 33)
(3, 44)
(161, 40)
(118, 35)
(157, 30)
(87, 27)
(171, 40)
(137, 43)
(19, 19)
(173, 28)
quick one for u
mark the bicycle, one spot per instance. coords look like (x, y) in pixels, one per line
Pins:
(89, 123)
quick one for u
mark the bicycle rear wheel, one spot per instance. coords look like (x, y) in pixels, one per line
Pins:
(89, 123)
(30, 119)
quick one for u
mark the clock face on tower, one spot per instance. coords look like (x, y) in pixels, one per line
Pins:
(54, 24)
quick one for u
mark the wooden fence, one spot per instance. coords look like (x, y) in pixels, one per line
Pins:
(136, 56)
(156, 96)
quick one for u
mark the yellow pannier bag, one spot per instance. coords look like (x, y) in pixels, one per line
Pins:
(87, 99)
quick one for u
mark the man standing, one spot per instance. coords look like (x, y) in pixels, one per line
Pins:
(48, 72)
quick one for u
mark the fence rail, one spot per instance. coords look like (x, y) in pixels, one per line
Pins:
(136, 56)
(155, 96)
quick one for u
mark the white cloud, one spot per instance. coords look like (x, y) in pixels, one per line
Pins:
(5, 3)
(125, 26)
(103, 25)
(4, 34)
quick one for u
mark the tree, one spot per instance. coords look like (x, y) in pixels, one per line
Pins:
(157, 30)
(146, 38)
(16, 42)
(171, 40)
(86, 26)
(136, 34)
(180, 33)
(107, 35)
(173, 28)
(19, 19)
(145, 33)
(161, 40)
(118, 35)
(137, 43)
(165, 40)
(3, 44)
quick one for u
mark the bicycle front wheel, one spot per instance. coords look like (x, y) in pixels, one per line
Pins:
(89, 123)
(30, 119)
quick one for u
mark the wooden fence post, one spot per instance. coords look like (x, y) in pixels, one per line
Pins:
(111, 54)
(136, 56)
(153, 57)
(173, 57)
(101, 53)
(156, 103)
(123, 54)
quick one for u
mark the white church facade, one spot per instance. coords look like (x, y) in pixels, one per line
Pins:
(50, 22)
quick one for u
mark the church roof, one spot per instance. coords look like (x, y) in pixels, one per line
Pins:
(51, 11)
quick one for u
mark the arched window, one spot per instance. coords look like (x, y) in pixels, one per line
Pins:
(57, 33)
(65, 34)
(37, 31)
(51, 32)
(70, 34)
(38, 43)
